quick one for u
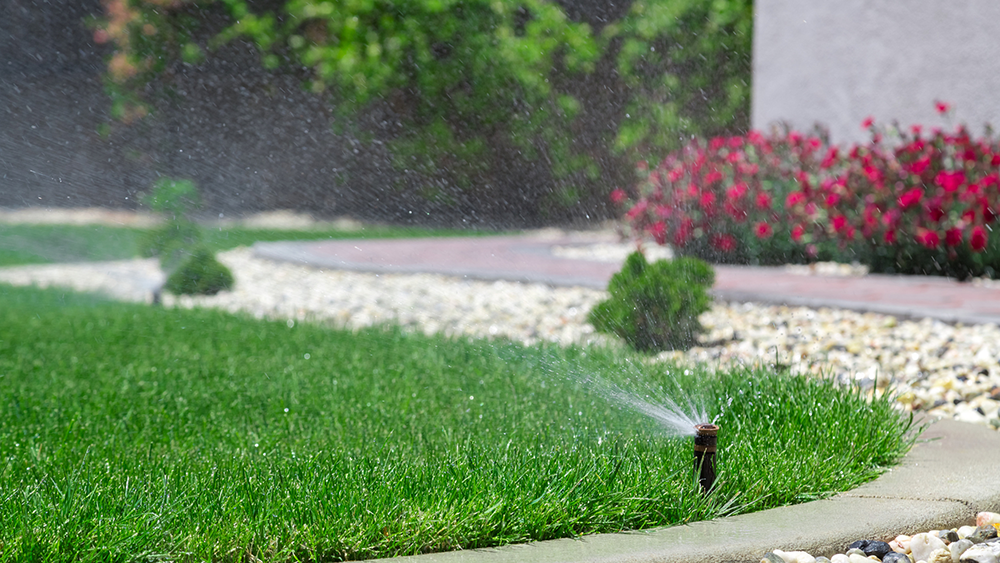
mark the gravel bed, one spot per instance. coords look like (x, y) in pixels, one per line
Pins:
(967, 544)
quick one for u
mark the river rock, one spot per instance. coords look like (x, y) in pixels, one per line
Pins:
(771, 557)
(794, 556)
(987, 519)
(840, 558)
(901, 543)
(983, 533)
(896, 557)
(986, 552)
(949, 536)
(958, 548)
(939, 556)
(877, 548)
(922, 545)
(858, 558)
(966, 531)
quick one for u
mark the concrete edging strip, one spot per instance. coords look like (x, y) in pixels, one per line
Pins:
(947, 478)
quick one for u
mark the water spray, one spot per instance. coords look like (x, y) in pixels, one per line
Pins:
(704, 454)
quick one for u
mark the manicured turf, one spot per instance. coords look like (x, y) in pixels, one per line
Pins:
(39, 244)
(139, 433)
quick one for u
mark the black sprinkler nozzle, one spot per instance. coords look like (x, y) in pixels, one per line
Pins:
(704, 454)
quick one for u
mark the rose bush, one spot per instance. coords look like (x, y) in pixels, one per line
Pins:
(905, 202)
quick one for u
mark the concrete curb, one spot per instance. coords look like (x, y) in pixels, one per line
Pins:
(947, 478)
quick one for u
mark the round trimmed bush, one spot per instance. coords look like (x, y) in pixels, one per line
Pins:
(656, 306)
(200, 274)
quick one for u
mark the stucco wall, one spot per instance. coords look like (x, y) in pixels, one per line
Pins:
(838, 62)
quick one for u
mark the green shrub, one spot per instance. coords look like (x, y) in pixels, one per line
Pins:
(169, 241)
(191, 268)
(200, 274)
(656, 306)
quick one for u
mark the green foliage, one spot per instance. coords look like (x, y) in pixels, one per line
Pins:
(655, 307)
(169, 241)
(686, 65)
(191, 267)
(200, 274)
(476, 88)
(173, 198)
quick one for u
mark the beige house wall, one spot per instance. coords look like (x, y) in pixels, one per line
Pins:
(836, 63)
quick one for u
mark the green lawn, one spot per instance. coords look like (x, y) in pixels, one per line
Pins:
(39, 244)
(140, 433)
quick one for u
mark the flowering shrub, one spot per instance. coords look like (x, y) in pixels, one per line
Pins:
(723, 199)
(904, 202)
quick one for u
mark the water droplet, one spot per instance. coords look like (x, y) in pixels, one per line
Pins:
(306, 356)
(290, 323)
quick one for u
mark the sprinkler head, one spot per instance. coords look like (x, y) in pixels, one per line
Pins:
(704, 454)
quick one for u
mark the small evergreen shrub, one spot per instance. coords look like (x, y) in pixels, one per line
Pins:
(188, 271)
(169, 241)
(656, 306)
(200, 274)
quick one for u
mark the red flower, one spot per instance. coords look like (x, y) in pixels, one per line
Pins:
(642, 166)
(713, 176)
(953, 237)
(916, 129)
(868, 122)
(839, 222)
(950, 181)
(829, 159)
(918, 167)
(658, 230)
(707, 200)
(638, 209)
(764, 200)
(736, 191)
(684, 232)
(762, 230)
(832, 199)
(928, 238)
(794, 199)
(873, 174)
(618, 196)
(725, 243)
(935, 212)
(978, 238)
(797, 232)
(911, 197)
(675, 174)
(890, 236)
(942, 107)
